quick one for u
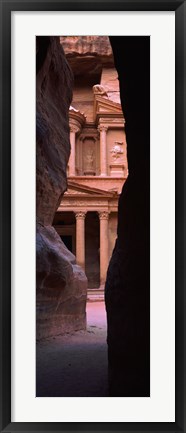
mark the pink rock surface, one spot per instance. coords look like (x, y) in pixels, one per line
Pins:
(87, 54)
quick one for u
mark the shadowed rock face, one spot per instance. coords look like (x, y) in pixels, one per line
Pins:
(127, 289)
(54, 93)
(87, 54)
(61, 284)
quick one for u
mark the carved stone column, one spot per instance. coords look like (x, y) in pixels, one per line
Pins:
(103, 150)
(104, 247)
(80, 238)
(72, 160)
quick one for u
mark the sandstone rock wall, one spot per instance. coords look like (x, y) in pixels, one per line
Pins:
(127, 290)
(87, 54)
(61, 285)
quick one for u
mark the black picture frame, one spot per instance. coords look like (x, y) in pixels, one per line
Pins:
(6, 7)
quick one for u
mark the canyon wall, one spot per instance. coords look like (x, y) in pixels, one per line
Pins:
(61, 285)
(127, 289)
(88, 54)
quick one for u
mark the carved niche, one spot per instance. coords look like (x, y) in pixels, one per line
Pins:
(87, 158)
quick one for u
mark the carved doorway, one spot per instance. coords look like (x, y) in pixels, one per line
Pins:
(92, 242)
(65, 225)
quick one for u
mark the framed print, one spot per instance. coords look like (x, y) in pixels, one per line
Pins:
(92, 170)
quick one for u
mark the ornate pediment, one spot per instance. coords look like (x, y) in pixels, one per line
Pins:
(75, 189)
(104, 107)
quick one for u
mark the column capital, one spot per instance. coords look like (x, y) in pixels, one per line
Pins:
(102, 128)
(80, 215)
(103, 215)
(74, 128)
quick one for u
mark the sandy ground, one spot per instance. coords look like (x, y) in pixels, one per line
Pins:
(75, 365)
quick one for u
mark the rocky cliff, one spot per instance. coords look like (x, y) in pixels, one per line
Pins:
(127, 290)
(87, 54)
(61, 284)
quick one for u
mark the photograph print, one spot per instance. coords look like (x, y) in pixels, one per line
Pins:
(93, 216)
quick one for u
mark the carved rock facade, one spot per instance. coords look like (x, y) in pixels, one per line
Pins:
(97, 166)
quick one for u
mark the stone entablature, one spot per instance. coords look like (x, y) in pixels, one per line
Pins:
(91, 205)
(89, 208)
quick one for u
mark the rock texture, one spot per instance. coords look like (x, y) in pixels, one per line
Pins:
(87, 54)
(92, 62)
(61, 284)
(127, 290)
(54, 93)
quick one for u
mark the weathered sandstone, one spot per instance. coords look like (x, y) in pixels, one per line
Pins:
(61, 284)
(92, 62)
(88, 54)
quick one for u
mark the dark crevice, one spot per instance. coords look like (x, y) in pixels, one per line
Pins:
(127, 290)
(42, 44)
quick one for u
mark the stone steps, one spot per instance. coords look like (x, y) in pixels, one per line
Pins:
(94, 295)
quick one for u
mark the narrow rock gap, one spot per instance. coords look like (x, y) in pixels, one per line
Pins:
(63, 361)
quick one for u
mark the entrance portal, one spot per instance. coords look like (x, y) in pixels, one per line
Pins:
(92, 243)
(65, 225)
